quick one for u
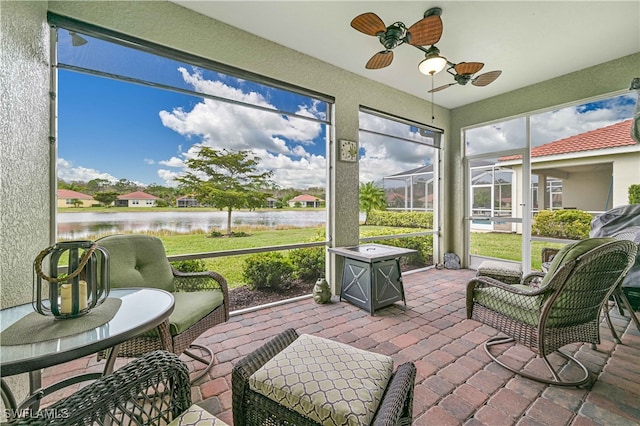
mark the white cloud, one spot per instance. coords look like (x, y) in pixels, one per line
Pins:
(150, 161)
(69, 173)
(172, 162)
(307, 172)
(562, 123)
(299, 151)
(221, 125)
(168, 177)
(552, 125)
(384, 156)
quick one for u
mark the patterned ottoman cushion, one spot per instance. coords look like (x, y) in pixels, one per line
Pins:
(197, 416)
(506, 272)
(326, 381)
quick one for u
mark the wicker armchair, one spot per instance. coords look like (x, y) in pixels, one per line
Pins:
(564, 309)
(631, 233)
(201, 298)
(151, 390)
(251, 408)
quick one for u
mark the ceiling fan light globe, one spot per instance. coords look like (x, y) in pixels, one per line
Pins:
(432, 65)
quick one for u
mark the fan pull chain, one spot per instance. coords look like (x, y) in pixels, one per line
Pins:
(433, 117)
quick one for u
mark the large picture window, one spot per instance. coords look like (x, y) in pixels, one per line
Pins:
(135, 124)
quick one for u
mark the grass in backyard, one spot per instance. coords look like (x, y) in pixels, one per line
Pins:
(231, 267)
(507, 246)
(498, 245)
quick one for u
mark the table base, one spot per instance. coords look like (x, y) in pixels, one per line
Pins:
(372, 286)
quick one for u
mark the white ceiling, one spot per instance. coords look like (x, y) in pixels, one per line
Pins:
(530, 41)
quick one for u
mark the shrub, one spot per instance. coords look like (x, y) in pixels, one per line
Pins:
(268, 270)
(191, 265)
(634, 194)
(423, 244)
(570, 224)
(401, 219)
(308, 263)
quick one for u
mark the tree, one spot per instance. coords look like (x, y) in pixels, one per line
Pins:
(226, 179)
(371, 198)
(97, 185)
(168, 195)
(76, 202)
(105, 198)
(124, 185)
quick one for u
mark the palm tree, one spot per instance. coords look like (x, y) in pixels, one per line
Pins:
(372, 197)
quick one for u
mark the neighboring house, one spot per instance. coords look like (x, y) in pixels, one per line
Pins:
(305, 200)
(595, 169)
(187, 201)
(66, 198)
(136, 199)
(271, 203)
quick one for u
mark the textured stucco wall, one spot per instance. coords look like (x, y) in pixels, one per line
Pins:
(625, 169)
(24, 151)
(171, 25)
(24, 146)
(610, 77)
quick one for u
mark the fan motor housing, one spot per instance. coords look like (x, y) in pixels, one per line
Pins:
(393, 36)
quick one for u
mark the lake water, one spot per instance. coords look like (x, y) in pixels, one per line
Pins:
(81, 225)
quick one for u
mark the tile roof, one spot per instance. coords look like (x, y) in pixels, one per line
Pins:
(67, 193)
(614, 136)
(137, 195)
(305, 197)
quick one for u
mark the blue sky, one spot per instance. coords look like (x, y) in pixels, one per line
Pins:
(114, 129)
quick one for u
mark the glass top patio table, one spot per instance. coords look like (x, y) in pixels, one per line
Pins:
(141, 309)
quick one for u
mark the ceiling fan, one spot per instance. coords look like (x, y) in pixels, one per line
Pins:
(425, 32)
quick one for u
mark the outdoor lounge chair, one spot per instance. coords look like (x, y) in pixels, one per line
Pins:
(631, 233)
(151, 390)
(564, 309)
(201, 298)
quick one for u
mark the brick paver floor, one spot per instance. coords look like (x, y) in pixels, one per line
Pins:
(456, 383)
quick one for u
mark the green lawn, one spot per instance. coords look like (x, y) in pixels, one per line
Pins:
(231, 267)
(498, 245)
(507, 246)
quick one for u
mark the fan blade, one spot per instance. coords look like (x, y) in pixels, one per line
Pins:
(368, 23)
(426, 31)
(486, 78)
(380, 60)
(468, 68)
(437, 89)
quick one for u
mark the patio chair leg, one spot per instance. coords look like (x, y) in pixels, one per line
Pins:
(208, 363)
(557, 380)
(610, 324)
(627, 304)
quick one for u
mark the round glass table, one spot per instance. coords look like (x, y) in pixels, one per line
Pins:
(141, 309)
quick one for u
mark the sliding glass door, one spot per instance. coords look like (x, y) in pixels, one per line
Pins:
(579, 159)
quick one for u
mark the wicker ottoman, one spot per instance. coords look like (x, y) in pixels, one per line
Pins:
(508, 273)
(309, 380)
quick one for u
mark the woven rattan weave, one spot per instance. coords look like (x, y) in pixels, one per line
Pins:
(151, 390)
(251, 408)
(631, 233)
